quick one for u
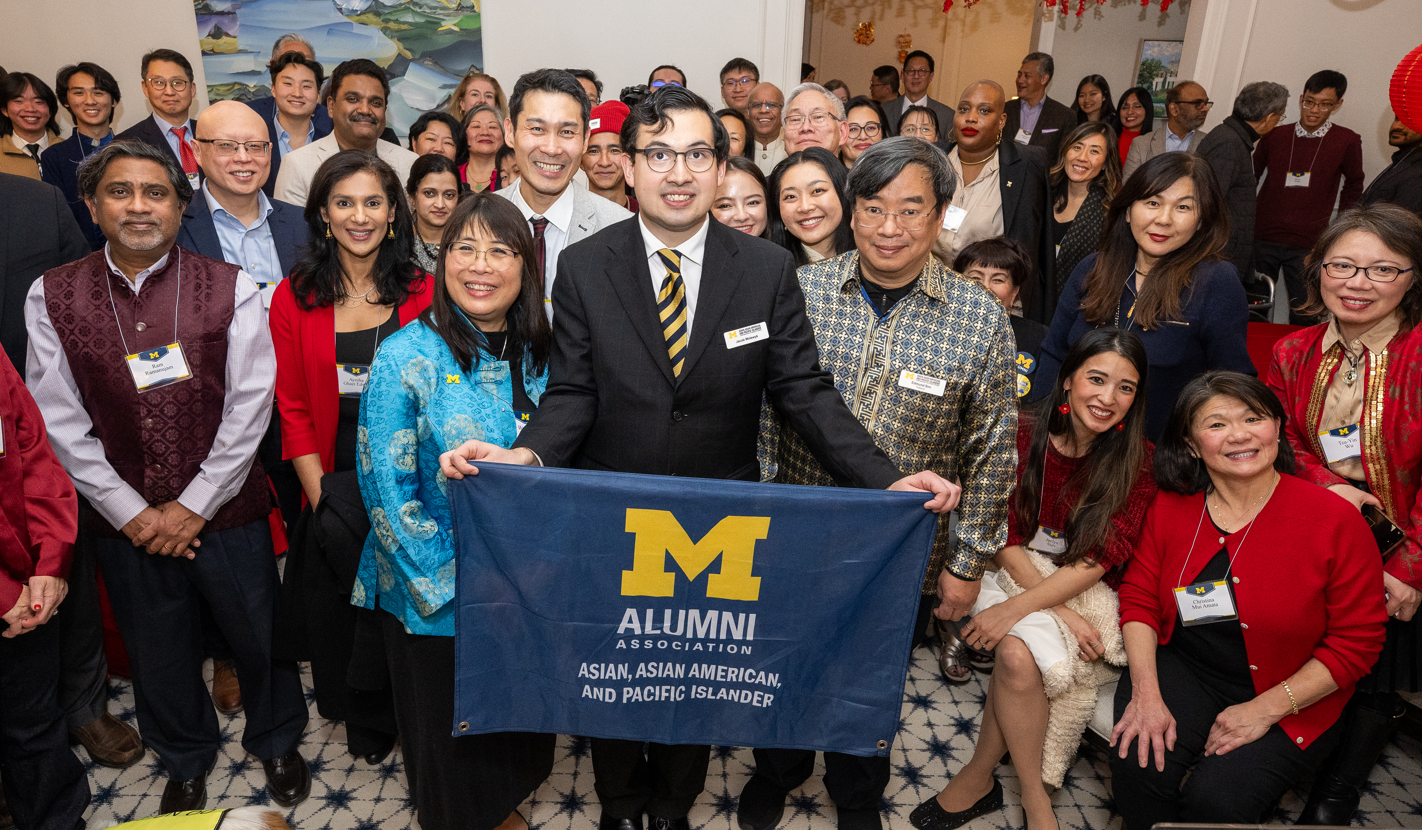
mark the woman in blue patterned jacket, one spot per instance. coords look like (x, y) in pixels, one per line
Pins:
(473, 365)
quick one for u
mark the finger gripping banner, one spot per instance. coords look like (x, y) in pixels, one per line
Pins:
(684, 611)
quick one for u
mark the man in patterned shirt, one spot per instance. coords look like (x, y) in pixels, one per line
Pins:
(924, 358)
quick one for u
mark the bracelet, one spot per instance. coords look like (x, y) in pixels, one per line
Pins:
(1292, 702)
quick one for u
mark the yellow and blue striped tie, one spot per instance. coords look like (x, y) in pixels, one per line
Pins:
(671, 308)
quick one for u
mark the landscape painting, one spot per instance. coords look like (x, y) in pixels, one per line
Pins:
(1158, 69)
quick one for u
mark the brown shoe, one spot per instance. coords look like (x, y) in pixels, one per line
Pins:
(226, 695)
(110, 741)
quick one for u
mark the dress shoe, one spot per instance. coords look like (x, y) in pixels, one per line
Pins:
(930, 815)
(288, 779)
(761, 804)
(859, 819)
(375, 757)
(226, 694)
(609, 823)
(110, 741)
(657, 823)
(182, 796)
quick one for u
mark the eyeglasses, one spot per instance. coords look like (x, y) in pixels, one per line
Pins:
(768, 106)
(662, 159)
(464, 255)
(912, 219)
(225, 147)
(732, 83)
(660, 84)
(912, 130)
(818, 118)
(1200, 102)
(1376, 273)
(160, 84)
(867, 130)
(1317, 105)
(917, 72)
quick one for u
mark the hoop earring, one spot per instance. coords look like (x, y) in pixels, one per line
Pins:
(328, 230)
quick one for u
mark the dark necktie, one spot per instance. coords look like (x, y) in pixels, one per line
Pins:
(671, 308)
(185, 153)
(33, 150)
(540, 247)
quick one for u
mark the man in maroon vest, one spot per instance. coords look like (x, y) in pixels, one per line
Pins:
(154, 370)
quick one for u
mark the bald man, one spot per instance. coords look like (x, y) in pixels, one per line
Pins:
(766, 144)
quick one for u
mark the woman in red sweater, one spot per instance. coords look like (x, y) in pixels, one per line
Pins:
(357, 285)
(1250, 610)
(1073, 520)
(1353, 389)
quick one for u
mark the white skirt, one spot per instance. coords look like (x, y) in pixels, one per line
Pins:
(1038, 629)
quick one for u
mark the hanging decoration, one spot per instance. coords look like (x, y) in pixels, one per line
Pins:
(1063, 5)
(1405, 91)
(864, 34)
(905, 44)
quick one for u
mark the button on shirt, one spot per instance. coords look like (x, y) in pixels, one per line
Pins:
(693, 257)
(769, 155)
(555, 236)
(1176, 144)
(249, 248)
(284, 137)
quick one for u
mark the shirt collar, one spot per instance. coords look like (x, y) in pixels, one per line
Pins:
(145, 273)
(1302, 133)
(693, 249)
(922, 102)
(932, 280)
(214, 208)
(775, 143)
(559, 214)
(167, 129)
(23, 145)
(1033, 107)
(1375, 340)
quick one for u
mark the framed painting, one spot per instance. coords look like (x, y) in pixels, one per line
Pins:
(1158, 68)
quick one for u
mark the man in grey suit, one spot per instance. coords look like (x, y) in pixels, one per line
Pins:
(917, 75)
(547, 128)
(1186, 107)
(1034, 119)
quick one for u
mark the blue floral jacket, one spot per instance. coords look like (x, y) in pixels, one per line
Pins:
(417, 404)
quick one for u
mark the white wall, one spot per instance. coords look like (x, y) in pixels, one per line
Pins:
(41, 36)
(1104, 41)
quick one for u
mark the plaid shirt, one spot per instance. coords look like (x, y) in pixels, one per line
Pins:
(946, 331)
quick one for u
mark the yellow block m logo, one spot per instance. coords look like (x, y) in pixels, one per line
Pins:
(659, 533)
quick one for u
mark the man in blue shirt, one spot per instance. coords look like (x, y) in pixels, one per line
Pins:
(168, 85)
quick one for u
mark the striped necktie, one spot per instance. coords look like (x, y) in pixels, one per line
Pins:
(671, 308)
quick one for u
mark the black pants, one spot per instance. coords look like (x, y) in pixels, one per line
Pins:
(83, 669)
(1238, 787)
(663, 780)
(157, 603)
(853, 782)
(1272, 257)
(471, 782)
(45, 784)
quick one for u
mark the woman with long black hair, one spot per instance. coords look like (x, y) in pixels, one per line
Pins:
(811, 212)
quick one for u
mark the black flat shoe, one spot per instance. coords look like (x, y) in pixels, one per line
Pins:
(375, 757)
(931, 816)
(760, 806)
(609, 823)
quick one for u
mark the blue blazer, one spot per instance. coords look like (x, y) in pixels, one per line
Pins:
(289, 231)
(147, 132)
(266, 108)
(59, 166)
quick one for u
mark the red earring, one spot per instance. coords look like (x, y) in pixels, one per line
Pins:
(1121, 427)
(1064, 409)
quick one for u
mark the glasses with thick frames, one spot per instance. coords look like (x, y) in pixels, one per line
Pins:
(663, 159)
(1376, 273)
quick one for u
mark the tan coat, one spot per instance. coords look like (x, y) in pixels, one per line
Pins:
(17, 162)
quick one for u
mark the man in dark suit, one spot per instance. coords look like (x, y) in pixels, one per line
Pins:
(293, 113)
(918, 74)
(168, 86)
(1034, 119)
(1400, 182)
(627, 394)
(37, 233)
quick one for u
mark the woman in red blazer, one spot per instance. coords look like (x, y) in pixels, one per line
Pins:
(357, 285)
(1249, 611)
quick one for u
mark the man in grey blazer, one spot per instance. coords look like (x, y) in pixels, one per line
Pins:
(547, 128)
(917, 75)
(1186, 107)
(1033, 119)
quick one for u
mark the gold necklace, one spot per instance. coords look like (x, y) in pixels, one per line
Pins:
(1220, 504)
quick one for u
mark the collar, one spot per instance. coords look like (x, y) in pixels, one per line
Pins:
(559, 214)
(283, 132)
(214, 208)
(932, 280)
(1300, 132)
(1036, 106)
(167, 129)
(774, 144)
(1169, 133)
(1374, 340)
(693, 249)
(146, 272)
(86, 143)
(922, 102)
(22, 145)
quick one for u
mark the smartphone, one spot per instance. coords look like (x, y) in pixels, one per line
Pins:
(1387, 534)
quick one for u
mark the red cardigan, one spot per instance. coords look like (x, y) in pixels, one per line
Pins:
(306, 392)
(39, 513)
(1308, 583)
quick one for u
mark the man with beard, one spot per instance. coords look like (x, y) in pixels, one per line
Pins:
(547, 128)
(1186, 107)
(156, 392)
(356, 103)
(1400, 182)
(767, 145)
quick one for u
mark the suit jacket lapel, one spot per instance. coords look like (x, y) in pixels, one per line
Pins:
(584, 217)
(198, 220)
(1009, 178)
(720, 277)
(632, 280)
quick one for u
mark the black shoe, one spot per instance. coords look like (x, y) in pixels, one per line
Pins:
(1337, 789)
(288, 779)
(609, 823)
(1331, 803)
(931, 816)
(376, 756)
(658, 823)
(762, 805)
(859, 819)
(183, 796)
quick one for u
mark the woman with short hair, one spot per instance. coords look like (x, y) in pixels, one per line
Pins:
(867, 127)
(438, 132)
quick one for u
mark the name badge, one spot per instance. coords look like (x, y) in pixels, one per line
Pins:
(194, 180)
(1048, 541)
(953, 218)
(923, 383)
(351, 379)
(267, 290)
(521, 419)
(746, 336)
(158, 367)
(1022, 136)
(1342, 444)
(1296, 179)
(1205, 602)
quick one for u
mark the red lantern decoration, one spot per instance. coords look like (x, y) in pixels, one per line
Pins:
(1405, 91)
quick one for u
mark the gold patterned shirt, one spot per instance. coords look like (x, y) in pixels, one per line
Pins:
(933, 383)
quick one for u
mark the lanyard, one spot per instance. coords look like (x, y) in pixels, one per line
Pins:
(1295, 137)
(882, 315)
(1203, 508)
(178, 296)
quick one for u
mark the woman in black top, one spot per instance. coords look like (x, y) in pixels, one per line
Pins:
(1084, 180)
(1002, 266)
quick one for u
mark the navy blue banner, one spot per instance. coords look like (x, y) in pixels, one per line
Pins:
(684, 611)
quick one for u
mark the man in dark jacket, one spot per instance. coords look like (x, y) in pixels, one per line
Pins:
(1400, 183)
(1033, 119)
(1229, 150)
(37, 233)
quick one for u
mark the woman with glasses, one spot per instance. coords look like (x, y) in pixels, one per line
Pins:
(477, 88)
(1350, 387)
(811, 216)
(356, 286)
(741, 201)
(866, 119)
(919, 122)
(1134, 117)
(472, 366)
(1093, 101)
(482, 133)
(1084, 179)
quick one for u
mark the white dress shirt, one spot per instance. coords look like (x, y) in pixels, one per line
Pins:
(246, 407)
(693, 257)
(768, 155)
(24, 146)
(555, 236)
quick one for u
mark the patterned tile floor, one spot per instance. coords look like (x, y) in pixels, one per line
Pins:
(939, 725)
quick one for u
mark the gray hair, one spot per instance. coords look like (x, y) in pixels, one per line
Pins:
(1260, 100)
(836, 106)
(290, 37)
(92, 170)
(879, 165)
(1045, 64)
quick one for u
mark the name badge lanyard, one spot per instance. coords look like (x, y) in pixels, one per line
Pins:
(1045, 536)
(177, 299)
(1179, 580)
(1289, 168)
(521, 418)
